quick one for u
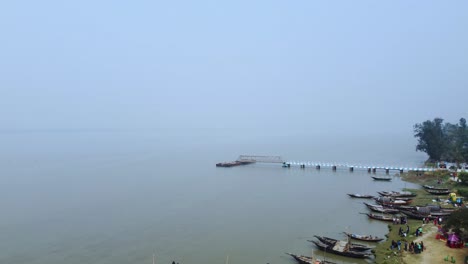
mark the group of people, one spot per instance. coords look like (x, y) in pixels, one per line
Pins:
(404, 234)
(419, 231)
(412, 247)
(416, 248)
(399, 220)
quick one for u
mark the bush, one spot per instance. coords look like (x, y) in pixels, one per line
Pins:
(463, 176)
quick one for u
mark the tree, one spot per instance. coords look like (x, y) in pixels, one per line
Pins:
(462, 136)
(431, 138)
(458, 221)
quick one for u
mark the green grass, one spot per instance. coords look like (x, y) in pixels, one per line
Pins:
(383, 253)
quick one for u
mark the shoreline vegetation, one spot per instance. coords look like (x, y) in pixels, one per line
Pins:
(436, 250)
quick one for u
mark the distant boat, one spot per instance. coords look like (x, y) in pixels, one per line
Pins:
(368, 238)
(357, 195)
(381, 178)
(308, 260)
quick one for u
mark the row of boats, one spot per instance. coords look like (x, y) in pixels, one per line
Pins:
(388, 205)
(392, 203)
(339, 247)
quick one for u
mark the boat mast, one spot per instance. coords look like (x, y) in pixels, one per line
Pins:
(153, 260)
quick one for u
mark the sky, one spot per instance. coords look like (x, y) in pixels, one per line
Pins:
(240, 67)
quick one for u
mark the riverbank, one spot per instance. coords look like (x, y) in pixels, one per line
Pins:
(435, 250)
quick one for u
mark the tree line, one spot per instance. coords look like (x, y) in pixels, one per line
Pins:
(443, 141)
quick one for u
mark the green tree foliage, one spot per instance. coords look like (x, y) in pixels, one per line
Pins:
(457, 221)
(443, 141)
(431, 138)
(463, 176)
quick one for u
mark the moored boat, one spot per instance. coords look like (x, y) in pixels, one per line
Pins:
(416, 215)
(368, 238)
(308, 260)
(391, 201)
(380, 217)
(357, 195)
(341, 249)
(430, 187)
(397, 194)
(381, 178)
(381, 209)
(332, 241)
(438, 192)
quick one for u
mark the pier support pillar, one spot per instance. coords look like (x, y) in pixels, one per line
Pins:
(401, 171)
(369, 170)
(317, 167)
(334, 168)
(387, 171)
(374, 170)
(351, 169)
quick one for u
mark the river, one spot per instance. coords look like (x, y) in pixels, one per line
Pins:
(120, 197)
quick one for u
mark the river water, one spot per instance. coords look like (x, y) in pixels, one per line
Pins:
(120, 197)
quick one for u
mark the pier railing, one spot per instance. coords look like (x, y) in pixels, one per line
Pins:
(261, 159)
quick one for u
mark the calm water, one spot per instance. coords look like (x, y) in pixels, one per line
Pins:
(115, 197)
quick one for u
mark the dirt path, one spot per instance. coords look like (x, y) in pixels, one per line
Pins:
(436, 250)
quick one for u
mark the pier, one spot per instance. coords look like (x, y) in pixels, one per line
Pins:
(249, 159)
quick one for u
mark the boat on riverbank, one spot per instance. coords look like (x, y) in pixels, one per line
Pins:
(397, 194)
(416, 215)
(386, 201)
(341, 248)
(438, 192)
(430, 187)
(332, 241)
(308, 260)
(368, 238)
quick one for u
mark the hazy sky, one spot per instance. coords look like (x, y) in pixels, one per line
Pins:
(267, 66)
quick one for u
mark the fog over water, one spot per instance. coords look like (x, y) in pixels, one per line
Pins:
(113, 115)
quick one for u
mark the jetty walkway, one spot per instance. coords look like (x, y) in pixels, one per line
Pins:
(249, 159)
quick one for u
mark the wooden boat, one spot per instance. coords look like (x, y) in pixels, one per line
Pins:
(341, 249)
(308, 260)
(438, 192)
(430, 187)
(441, 213)
(391, 201)
(357, 195)
(381, 178)
(381, 209)
(380, 217)
(368, 238)
(332, 241)
(397, 194)
(415, 215)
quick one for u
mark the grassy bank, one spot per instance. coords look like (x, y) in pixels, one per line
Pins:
(384, 255)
